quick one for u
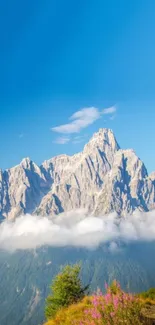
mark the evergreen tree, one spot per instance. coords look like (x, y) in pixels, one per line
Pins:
(66, 289)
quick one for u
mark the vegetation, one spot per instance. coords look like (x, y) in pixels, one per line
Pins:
(66, 289)
(27, 276)
(68, 304)
(150, 294)
(115, 307)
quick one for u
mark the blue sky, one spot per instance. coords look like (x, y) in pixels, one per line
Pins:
(58, 57)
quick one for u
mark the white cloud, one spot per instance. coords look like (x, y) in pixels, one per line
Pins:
(113, 247)
(110, 110)
(75, 228)
(62, 140)
(21, 136)
(81, 119)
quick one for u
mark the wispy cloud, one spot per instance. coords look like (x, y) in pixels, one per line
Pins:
(79, 121)
(78, 139)
(76, 228)
(110, 110)
(62, 140)
(74, 140)
(82, 119)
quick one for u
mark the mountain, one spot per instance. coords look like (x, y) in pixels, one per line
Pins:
(102, 178)
(27, 275)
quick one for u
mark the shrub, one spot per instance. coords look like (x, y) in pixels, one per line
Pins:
(66, 289)
(114, 308)
(150, 294)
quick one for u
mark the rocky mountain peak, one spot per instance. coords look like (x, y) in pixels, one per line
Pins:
(102, 178)
(152, 176)
(26, 162)
(102, 139)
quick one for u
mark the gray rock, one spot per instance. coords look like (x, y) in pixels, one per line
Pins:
(101, 179)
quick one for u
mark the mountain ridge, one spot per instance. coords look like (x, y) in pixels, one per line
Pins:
(102, 178)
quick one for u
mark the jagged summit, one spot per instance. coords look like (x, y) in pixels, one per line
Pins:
(104, 137)
(26, 162)
(152, 176)
(102, 178)
(105, 133)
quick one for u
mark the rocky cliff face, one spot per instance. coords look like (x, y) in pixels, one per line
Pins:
(103, 178)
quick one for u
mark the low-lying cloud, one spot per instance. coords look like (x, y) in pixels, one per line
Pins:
(76, 229)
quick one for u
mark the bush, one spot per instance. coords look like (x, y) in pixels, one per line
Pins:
(150, 294)
(114, 308)
(66, 289)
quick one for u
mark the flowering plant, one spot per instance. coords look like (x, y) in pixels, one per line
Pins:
(114, 308)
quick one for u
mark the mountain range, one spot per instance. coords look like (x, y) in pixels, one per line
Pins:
(101, 179)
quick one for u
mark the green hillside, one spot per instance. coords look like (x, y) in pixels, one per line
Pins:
(26, 276)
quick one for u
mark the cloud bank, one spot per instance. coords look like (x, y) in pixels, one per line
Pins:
(76, 229)
(82, 119)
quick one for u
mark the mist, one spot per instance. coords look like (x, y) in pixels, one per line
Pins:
(77, 229)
